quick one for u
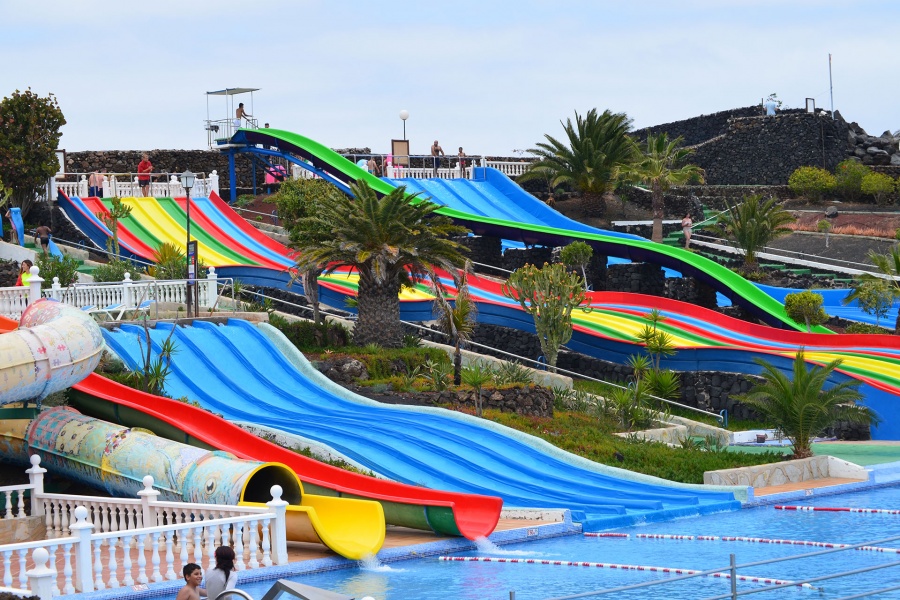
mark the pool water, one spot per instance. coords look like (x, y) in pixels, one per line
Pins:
(431, 578)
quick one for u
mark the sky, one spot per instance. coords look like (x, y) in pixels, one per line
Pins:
(493, 76)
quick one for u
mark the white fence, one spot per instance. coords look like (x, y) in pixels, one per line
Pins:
(125, 185)
(112, 542)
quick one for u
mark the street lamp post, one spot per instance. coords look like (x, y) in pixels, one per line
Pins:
(187, 182)
(404, 115)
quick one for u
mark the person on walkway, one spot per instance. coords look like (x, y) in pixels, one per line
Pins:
(462, 163)
(145, 167)
(42, 234)
(24, 278)
(193, 577)
(223, 577)
(239, 114)
(373, 168)
(686, 224)
(436, 153)
(95, 184)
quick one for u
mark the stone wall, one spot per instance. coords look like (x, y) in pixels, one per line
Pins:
(640, 278)
(697, 130)
(530, 400)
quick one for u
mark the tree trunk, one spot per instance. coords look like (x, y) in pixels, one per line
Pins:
(457, 364)
(658, 205)
(897, 325)
(593, 205)
(379, 312)
(310, 281)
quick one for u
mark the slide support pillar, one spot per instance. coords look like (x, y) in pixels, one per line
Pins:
(232, 175)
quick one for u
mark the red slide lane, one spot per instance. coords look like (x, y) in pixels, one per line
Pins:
(198, 217)
(476, 516)
(96, 205)
(230, 214)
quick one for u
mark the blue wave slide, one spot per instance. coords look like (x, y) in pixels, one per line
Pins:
(237, 371)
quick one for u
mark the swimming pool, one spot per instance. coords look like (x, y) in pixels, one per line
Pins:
(432, 578)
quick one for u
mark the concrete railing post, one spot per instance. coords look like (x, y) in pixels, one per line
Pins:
(127, 292)
(56, 289)
(84, 569)
(34, 286)
(279, 531)
(41, 577)
(36, 479)
(212, 287)
(148, 495)
(214, 182)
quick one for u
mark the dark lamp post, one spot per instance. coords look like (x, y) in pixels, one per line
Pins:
(187, 182)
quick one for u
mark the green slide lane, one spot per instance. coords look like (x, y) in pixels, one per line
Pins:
(174, 210)
(731, 284)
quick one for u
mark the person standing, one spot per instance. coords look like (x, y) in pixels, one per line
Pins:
(223, 577)
(95, 184)
(24, 278)
(462, 163)
(436, 153)
(145, 167)
(372, 167)
(686, 224)
(239, 114)
(42, 233)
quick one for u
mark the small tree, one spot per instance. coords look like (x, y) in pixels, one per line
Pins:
(879, 185)
(476, 375)
(811, 182)
(456, 320)
(801, 407)
(824, 226)
(29, 136)
(889, 267)
(753, 224)
(805, 307)
(577, 254)
(117, 211)
(874, 297)
(549, 295)
(848, 176)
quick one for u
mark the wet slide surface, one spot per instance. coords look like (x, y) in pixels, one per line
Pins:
(246, 379)
(444, 512)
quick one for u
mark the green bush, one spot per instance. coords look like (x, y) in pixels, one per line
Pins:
(115, 270)
(65, 268)
(879, 185)
(306, 335)
(811, 182)
(805, 307)
(848, 176)
(866, 328)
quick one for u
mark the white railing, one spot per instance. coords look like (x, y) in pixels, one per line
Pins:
(117, 299)
(13, 300)
(510, 169)
(126, 185)
(112, 542)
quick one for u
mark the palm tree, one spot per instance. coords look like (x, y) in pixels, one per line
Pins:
(662, 166)
(456, 320)
(592, 161)
(752, 224)
(889, 266)
(800, 406)
(390, 241)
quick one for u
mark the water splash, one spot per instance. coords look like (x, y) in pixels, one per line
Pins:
(486, 546)
(372, 564)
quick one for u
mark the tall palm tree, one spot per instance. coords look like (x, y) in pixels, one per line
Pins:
(390, 241)
(456, 320)
(662, 166)
(889, 266)
(591, 159)
(752, 224)
(801, 407)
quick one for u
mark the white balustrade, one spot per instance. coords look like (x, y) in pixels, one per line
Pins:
(125, 185)
(510, 169)
(113, 542)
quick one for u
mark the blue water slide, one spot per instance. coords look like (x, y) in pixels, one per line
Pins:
(236, 371)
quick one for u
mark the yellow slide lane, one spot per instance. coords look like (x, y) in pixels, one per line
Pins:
(166, 229)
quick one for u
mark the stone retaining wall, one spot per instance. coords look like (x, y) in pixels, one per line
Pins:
(789, 471)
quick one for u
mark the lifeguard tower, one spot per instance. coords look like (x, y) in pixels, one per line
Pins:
(219, 131)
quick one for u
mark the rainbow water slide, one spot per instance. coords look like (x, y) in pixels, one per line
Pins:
(446, 513)
(56, 346)
(245, 373)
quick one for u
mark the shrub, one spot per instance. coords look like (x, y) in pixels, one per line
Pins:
(811, 182)
(115, 271)
(879, 185)
(866, 328)
(306, 335)
(805, 307)
(65, 268)
(848, 176)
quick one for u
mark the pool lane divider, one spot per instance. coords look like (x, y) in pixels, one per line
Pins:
(874, 511)
(672, 570)
(752, 540)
